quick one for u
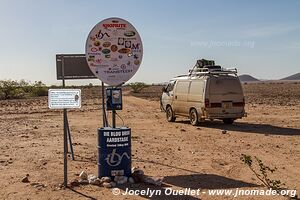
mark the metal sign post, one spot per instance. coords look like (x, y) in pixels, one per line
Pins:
(70, 66)
(65, 150)
(114, 53)
(63, 99)
(105, 123)
(113, 118)
(65, 131)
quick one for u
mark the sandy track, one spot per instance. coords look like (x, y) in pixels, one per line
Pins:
(187, 156)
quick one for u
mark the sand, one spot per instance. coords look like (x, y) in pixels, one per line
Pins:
(31, 142)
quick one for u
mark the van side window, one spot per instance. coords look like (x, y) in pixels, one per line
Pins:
(196, 87)
(183, 87)
(170, 86)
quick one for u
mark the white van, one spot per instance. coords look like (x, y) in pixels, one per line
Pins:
(206, 94)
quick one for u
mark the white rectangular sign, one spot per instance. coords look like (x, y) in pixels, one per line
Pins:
(64, 98)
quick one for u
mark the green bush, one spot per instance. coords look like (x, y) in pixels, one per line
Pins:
(39, 91)
(137, 86)
(10, 89)
(262, 171)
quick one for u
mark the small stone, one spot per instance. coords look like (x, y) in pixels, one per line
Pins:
(59, 187)
(153, 180)
(25, 179)
(92, 177)
(130, 180)
(96, 181)
(74, 183)
(182, 130)
(83, 182)
(107, 185)
(38, 185)
(137, 170)
(120, 179)
(137, 174)
(83, 175)
(113, 184)
(105, 179)
(35, 127)
(224, 131)
(117, 178)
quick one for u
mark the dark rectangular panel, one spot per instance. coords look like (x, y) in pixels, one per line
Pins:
(75, 66)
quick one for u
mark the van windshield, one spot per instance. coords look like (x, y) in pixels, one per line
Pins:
(225, 86)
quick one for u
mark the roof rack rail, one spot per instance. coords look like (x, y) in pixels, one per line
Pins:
(214, 71)
(182, 75)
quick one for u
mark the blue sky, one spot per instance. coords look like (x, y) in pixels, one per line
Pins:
(261, 38)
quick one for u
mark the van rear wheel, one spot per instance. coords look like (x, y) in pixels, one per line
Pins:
(170, 114)
(228, 121)
(194, 117)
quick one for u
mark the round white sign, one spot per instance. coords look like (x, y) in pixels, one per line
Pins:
(114, 51)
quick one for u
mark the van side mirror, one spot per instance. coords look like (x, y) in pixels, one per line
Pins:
(164, 89)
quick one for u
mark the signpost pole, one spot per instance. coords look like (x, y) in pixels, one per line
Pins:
(65, 150)
(65, 133)
(114, 118)
(70, 139)
(103, 105)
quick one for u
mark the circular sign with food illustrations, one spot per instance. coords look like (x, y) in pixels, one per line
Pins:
(114, 51)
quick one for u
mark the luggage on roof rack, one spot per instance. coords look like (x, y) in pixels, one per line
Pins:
(203, 62)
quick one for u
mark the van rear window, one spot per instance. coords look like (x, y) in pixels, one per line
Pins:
(225, 86)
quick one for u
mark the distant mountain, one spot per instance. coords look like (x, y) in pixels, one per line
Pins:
(247, 78)
(293, 77)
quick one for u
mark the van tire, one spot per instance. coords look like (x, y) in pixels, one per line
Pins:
(194, 117)
(170, 114)
(228, 121)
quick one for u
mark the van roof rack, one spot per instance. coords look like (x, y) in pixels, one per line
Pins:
(182, 75)
(213, 71)
(204, 67)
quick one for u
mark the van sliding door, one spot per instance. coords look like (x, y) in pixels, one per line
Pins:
(180, 97)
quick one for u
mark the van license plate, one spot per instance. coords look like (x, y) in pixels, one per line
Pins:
(227, 105)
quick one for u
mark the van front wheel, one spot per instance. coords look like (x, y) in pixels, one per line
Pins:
(228, 121)
(194, 117)
(170, 114)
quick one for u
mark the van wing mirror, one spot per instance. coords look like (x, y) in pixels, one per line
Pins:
(164, 89)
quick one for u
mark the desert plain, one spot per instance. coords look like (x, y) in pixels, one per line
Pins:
(31, 142)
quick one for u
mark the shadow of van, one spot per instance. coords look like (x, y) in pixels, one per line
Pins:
(266, 129)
